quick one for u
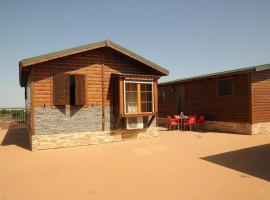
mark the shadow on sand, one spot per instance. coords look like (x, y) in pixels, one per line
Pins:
(16, 136)
(254, 161)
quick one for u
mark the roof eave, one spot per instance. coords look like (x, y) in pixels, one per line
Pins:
(209, 76)
(20, 74)
(219, 74)
(135, 56)
(262, 67)
(60, 54)
(80, 49)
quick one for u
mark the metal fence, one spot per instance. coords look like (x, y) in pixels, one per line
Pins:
(8, 121)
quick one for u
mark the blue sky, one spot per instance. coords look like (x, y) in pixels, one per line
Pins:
(187, 37)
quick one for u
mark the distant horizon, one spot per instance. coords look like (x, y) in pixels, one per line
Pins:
(189, 38)
(1, 108)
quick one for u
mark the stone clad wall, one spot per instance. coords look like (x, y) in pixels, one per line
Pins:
(259, 128)
(109, 118)
(61, 120)
(219, 126)
(65, 127)
(242, 128)
(50, 141)
(231, 127)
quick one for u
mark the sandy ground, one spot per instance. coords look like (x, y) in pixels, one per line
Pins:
(175, 165)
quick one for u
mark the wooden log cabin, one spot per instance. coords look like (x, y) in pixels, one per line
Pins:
(236, 101)
(90, 94)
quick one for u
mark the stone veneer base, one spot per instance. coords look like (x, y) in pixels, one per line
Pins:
(230, 127)
(51, 141)
(219, 126)
(242, 128)
(260, 128)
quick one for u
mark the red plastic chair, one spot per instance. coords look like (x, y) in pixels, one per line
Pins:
(172, 122)
(191, 121)
(201, 121)
(179, 120)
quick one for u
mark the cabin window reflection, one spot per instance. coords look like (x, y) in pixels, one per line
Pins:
(146, 97)
(161, 95)
(225, 87)
(131, 97)
(138, 97)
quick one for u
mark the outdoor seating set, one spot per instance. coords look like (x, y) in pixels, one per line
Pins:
(182, 122)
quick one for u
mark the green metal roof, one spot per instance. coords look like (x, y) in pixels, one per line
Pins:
(106, 43)
(218, 74)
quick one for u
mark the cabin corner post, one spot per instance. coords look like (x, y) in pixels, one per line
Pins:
(156, 100)
(260, 113)
(32, 124)
(155, 96)
(120, 110)
(121, 97)
(102, 89)
(250, 98)
(139, 96)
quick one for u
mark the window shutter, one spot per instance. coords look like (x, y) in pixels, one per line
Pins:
(60, 89)
(115, 99)
(80, 95)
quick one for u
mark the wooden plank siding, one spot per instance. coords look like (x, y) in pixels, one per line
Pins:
(201, 97)
(168, 105)
(32, 126)
(87, 63)
(261, 96)
(155, 96)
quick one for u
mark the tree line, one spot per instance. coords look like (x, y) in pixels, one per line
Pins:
(12, 112)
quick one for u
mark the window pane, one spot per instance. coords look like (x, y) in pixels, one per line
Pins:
(131, 87)
(161, 95)
(132, 107)
(146, 87)
(146, 97)
(72, 89)
(131, 98)
(225, 87)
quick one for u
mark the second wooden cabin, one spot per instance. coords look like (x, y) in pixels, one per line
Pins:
(235, 101)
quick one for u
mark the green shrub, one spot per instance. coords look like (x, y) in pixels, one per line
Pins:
(12, 112)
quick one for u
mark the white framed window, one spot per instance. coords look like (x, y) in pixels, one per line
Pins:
(138, 97)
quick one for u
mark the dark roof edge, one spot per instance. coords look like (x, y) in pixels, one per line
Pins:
(218, 74)
(136, 57)
(59, 54)
(83, 48)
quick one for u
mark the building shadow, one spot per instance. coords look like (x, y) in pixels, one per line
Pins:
(254, 161)
(17, 136)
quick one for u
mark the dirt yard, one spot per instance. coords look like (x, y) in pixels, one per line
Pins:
(174, 165)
